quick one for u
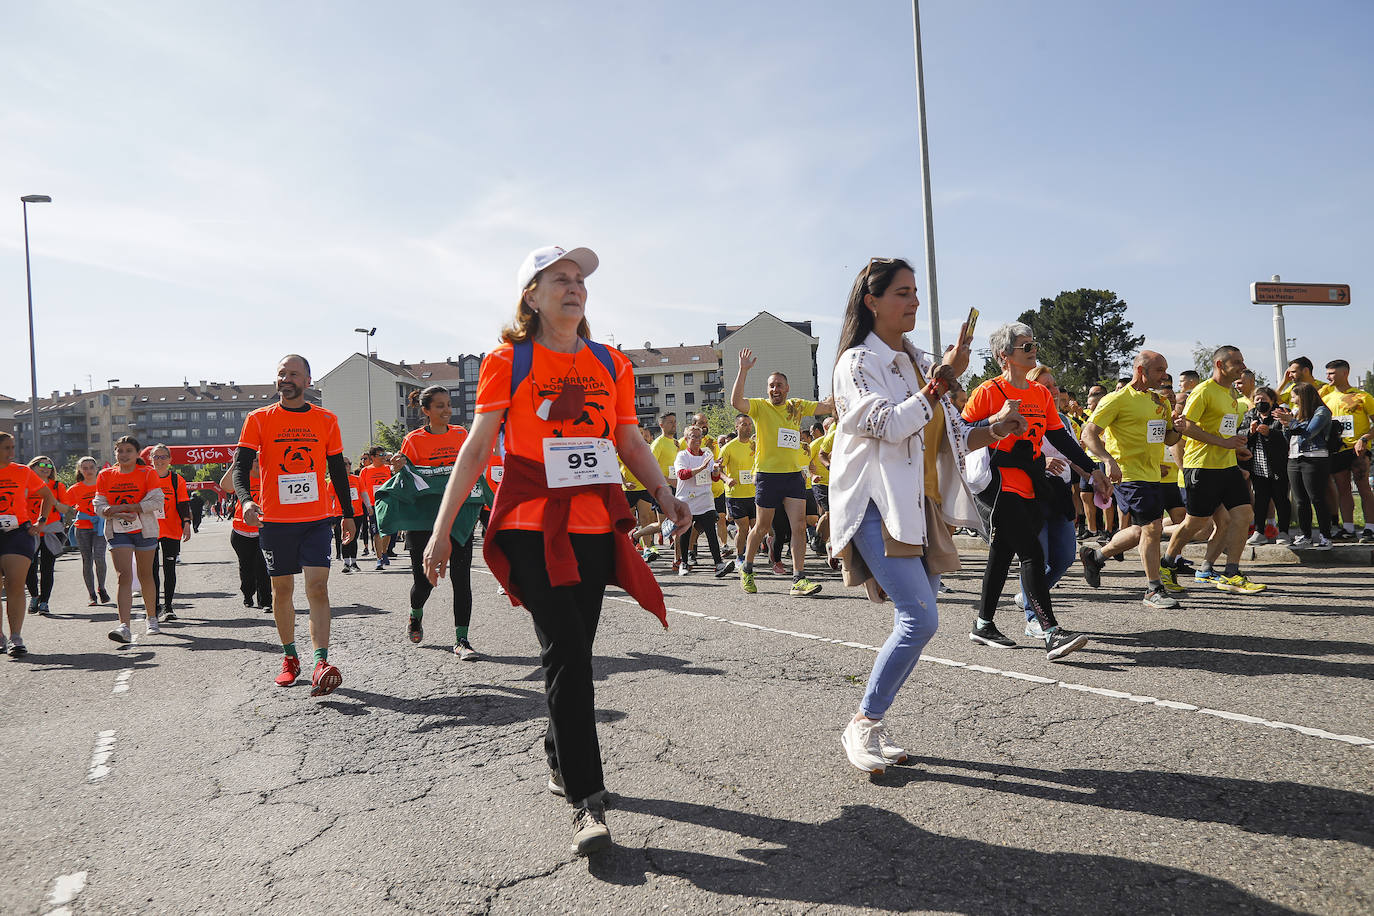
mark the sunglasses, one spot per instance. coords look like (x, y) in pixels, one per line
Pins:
(1024, 348)
(44, 465)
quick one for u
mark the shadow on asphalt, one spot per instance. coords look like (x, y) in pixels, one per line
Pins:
(1234, 654)
(90, 661)
(196, 643)
(181, 595)
(496, 706)
(873, 858)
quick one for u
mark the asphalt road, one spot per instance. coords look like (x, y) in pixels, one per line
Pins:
(1214, 759)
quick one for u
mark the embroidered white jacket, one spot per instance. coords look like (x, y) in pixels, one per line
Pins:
(879, 453)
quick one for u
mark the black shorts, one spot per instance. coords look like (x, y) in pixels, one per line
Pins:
(636, 497)
(1343, 461)
(1170, 495)
(811, 507)
(740, 508)
(1142, 499)
(822, 491)
(771, 488)
(19, 542)
(719, 503)
(1209, 488)
(289, 547)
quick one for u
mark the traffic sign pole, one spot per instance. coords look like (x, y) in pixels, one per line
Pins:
(1278, 294)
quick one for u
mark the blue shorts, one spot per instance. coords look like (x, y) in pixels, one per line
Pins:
(739, 508)
(1144, 501)
(771, 488)
(20, 542)
(289, 547)
(134, 539)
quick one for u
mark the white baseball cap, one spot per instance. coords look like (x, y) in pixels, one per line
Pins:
(540, 258)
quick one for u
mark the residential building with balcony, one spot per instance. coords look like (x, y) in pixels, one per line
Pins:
(781, 346)
(681, 380)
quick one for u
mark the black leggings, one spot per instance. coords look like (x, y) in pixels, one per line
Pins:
(459, 573)
(565, 621)
(254, 582)
(706, 524)
(40, 575)
(1309, 477)
(169, 549)
(1016, 523)
(1276, 490)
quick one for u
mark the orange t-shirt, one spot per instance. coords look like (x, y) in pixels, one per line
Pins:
(609, 402)
(355, 490)
(59, 492)
(495, 470)
(169, 526)
(373, 477)
(120, 489)
(17, 483)
(1037, 406)
(292, 447)
(427, 450)
(255, 491)
(82, 495)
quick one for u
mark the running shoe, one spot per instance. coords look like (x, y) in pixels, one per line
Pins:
(945, 589)
(1283, 539)
(43, 608)
(892, 752)
(121, 633)
(804, 588)
(1319, 542)
(590, 833)
(33, 605)
(1092, 567)
(1239, 585)
(1206, 575)
(746, 582)
(17, 649)
(1367, 536)
(325, 680)
(168, 613)
(154, 628)
(1169, 579)
(863, 746)
(104, 596)
(247, 602)
(464, 650)
(381, 564)
(1301, 542)
(779, 569)
(556, 784)
(347, 570)
(4, 646)
(725, 568)
(1256, 539)
(1034, 630)
(414, 631)
(1060, 642)
(1159, 599)
(986, 632)
(290, 670)
(1343, 535)
(684, 569)
(1183, 567)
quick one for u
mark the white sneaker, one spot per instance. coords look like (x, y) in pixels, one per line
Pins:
(1284, 540)
(1257, 539)
(16, 649)
(1301, 542)
(863, 745)
(1034, 629)
(121, 633)
(684, 569)
(892, 752)
(154, 629)
(1320, 541)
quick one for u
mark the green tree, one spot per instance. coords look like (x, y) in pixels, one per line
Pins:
(1202, 362)
(720, 419)
(210, 472)
(391, 437)
(1084, 336)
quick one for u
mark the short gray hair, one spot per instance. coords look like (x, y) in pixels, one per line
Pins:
(1002, 338)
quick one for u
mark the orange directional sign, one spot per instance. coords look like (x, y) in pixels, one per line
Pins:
(1300, 293)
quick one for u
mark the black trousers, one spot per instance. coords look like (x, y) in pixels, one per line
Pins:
(706, 524)
(1309, 477)
(459, 573)
(565, 621)
(40, 577)
(254, 582)
(1276, 490)
(1016, 523)
(168, 549)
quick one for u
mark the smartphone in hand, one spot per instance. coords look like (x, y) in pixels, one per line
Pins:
(969, 324)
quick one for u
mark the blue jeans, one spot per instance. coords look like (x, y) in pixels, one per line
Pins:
(1058, 542)
(913, 589)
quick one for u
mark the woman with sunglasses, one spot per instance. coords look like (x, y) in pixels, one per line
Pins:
(19, 485)
(129, 497)
(89, 531)
(1018, 489)
(559, 527)
(173, 527)
(50, 533)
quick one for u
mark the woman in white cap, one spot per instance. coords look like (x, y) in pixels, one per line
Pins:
(558, 532)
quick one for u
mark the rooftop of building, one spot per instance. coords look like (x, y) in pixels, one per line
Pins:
(651, 357)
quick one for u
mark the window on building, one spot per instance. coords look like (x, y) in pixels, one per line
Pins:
(178, 415)
(210, 415)
(90, 405)
(229, 430)
(669, 380)
(670, 399)
(121, 402)
(95, 437)
(160, 417)
(196, 433)
(688, 378)
(691, 398)
(119, 420)
(95, 421)
(178, 434)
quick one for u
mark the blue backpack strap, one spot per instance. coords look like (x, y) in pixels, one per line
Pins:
(602, 353)
(522, 358)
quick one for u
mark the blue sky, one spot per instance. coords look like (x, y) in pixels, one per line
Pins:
(236, 181)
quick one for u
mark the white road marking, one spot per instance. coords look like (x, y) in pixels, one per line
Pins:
(1355, 740)
(121, 683)
(100, 757)
(64, 890)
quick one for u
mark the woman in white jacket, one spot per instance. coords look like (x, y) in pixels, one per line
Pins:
(897, 481)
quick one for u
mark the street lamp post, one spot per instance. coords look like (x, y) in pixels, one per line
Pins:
(932, 293)
(367, 354)
(33, 360)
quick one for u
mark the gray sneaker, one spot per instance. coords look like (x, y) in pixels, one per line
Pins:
(1257, 539)
(1034, 629)
(590, 833)
(121, 633)
(154, 629)
(1159, 599)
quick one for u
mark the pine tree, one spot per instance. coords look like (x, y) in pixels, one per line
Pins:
(1084, 336)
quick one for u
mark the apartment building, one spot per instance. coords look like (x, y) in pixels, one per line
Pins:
(8, 406)
(781, 346)
(681, 380)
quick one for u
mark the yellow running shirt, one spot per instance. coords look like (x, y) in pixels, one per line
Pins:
(825, 444)
(665, 453)
(1139, 421)
(1214, 408)
(1351, 409)
(778, 433)
(737, 460)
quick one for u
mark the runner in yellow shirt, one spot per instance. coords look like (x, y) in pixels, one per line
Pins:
(778, 482)
(820, 484)
(737, 472)
(1352, 409)
(1210, 422)
(665, 449)
(641, 503)
(1141, 423)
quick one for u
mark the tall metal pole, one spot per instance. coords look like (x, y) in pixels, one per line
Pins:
(933, 295)
(33, 359)
(1280, 343)
(367, 354)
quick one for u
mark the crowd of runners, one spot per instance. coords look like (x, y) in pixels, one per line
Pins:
(571, 494)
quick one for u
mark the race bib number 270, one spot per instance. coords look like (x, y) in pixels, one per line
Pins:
(575, 462)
